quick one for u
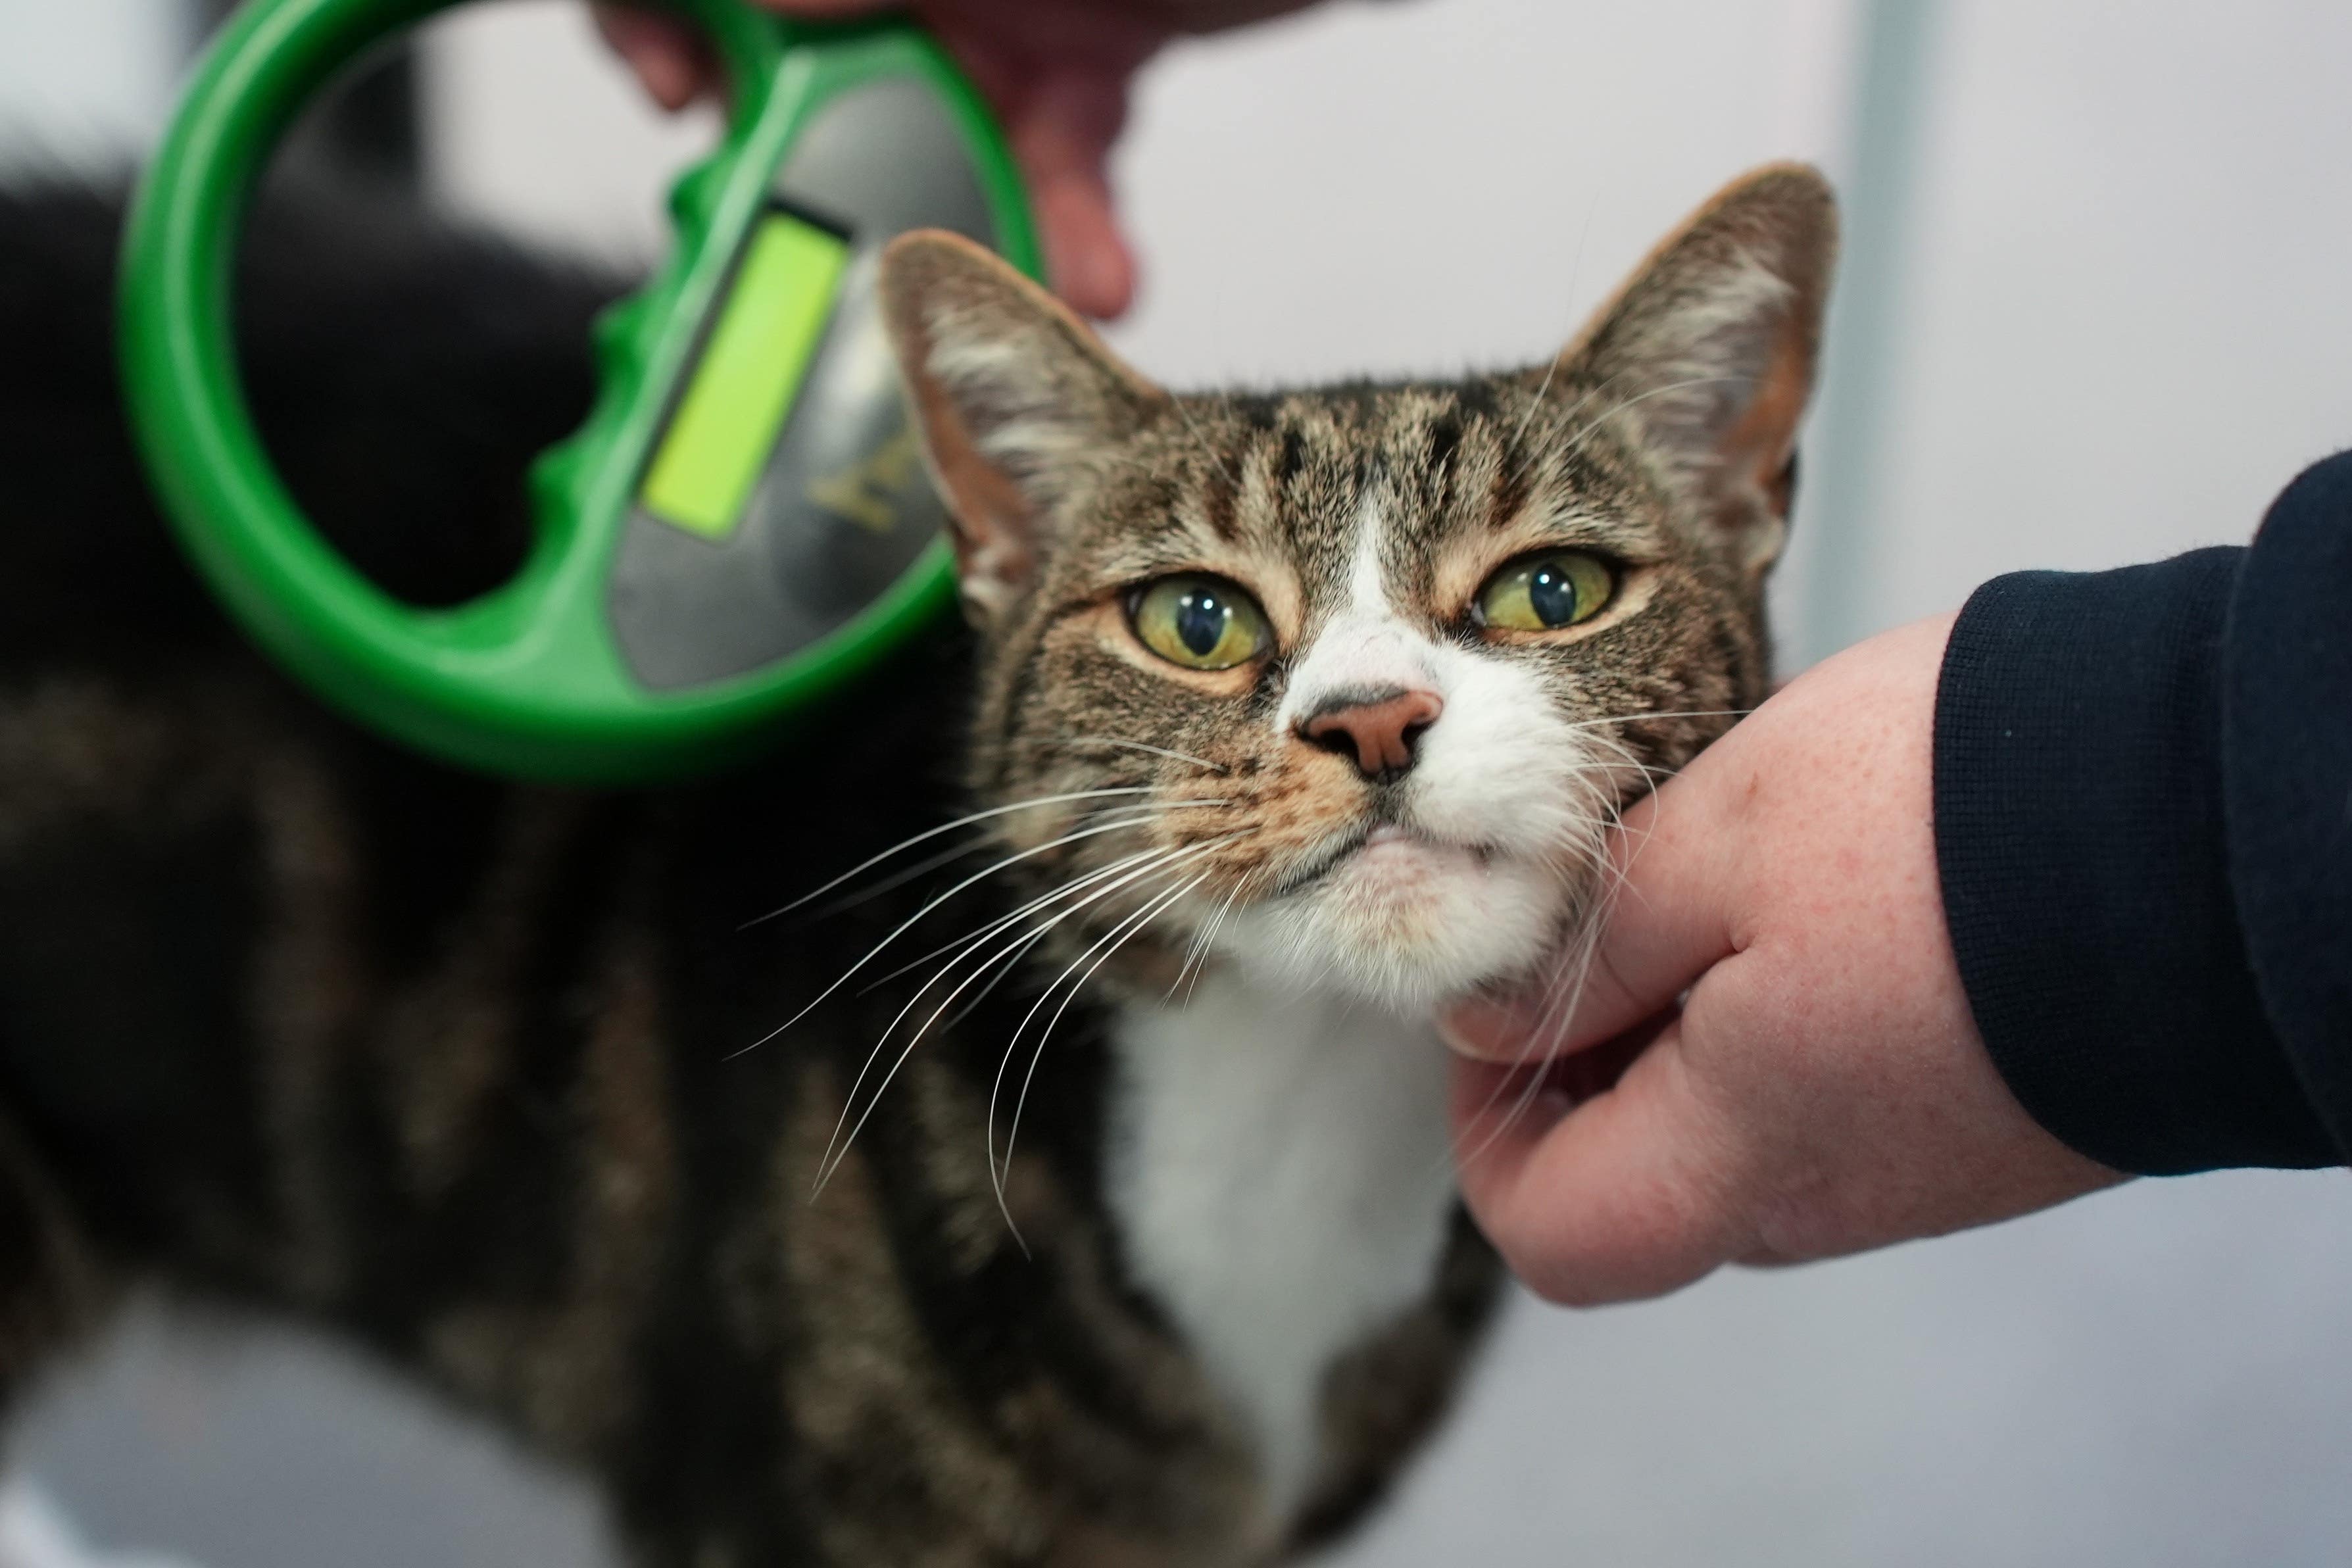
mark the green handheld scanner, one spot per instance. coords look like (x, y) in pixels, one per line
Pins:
(743, 523)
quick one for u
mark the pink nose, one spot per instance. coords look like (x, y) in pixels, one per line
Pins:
(1377, 729)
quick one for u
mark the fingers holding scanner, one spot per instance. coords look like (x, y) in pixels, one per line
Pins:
(1057, 75)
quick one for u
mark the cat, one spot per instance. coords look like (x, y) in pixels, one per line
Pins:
(1121, 1228)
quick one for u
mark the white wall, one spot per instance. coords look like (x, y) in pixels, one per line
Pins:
(1383, 187)
(1431, 186)
(532, 125)
(85, 80)
(2131, 317)
(2124, 328)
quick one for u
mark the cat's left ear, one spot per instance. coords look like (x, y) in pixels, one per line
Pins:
(1017, 398)
(1712, 344)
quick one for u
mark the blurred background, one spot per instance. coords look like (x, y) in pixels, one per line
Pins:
(2095, 312)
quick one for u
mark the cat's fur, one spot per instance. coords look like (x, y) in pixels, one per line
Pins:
(291, 1019)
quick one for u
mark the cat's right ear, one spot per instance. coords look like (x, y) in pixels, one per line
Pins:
(1017, 399)
(1710, 348)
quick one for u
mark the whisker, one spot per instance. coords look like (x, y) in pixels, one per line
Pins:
(996, 1089)
(1561, 997)
(1128, 746)
(1590, 849)
(1578, 439)
(900, 878)
(1636, 718)
(1562, 991)
(1575, 271)
(832, 1161)
(1196, 957)
(1132, 926)
(912, 920)
(1192, 949)
(1564, 1009)
(966, 821)
(1193, 952)
(1005, 965)
(1120, 937)
(1192, 427)
(1543, 389)
(998, 924)
(1567, 988)
(1651, 779)
(827, 1162)
(1216, 925)
(1595, 390)
(1625, 758)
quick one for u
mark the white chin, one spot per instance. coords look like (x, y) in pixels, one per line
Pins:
(1401, 924)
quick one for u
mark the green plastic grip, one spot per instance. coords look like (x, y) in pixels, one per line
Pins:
(527, 680)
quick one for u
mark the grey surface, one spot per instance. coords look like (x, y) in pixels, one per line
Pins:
(2152, 1378)
(236, 1445)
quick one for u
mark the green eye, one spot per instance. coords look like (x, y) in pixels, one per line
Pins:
(1544, 592)
(1199, 621)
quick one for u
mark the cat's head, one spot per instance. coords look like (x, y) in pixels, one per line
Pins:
(1357, 676)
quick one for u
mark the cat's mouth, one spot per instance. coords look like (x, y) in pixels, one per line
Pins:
(1399, 916)
(1381, 850)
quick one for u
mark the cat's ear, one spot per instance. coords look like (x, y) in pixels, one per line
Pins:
(1712, 344)
(1017, 398)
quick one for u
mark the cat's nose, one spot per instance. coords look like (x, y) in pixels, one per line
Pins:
(1377, 729)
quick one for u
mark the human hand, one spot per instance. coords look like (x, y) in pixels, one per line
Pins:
(1821, 1089)
(1056, 71)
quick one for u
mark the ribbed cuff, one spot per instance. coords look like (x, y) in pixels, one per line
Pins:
(2079, 833)
(2286, 753)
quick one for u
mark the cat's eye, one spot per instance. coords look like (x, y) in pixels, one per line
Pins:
(1198, 621)
(1545, 591)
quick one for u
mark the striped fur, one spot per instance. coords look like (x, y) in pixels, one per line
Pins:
(292, 1020)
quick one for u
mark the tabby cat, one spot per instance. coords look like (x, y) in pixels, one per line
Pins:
(1095, 1208)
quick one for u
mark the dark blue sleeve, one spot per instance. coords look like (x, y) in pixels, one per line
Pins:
(2143, 802)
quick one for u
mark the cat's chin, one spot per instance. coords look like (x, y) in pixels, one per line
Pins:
(1402, 923)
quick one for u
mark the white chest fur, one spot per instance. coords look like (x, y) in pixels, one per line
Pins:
(1279, 1167)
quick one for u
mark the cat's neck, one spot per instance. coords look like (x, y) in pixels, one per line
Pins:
(1279, 1168)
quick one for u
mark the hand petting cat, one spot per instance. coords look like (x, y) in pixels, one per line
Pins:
(1057, 72)
(1820, 1088)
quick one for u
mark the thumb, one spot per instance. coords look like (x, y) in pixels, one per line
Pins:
(1664, 923)
(1631, 1194)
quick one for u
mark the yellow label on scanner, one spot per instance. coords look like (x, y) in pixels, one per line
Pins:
(752, 367)
(868, 492)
